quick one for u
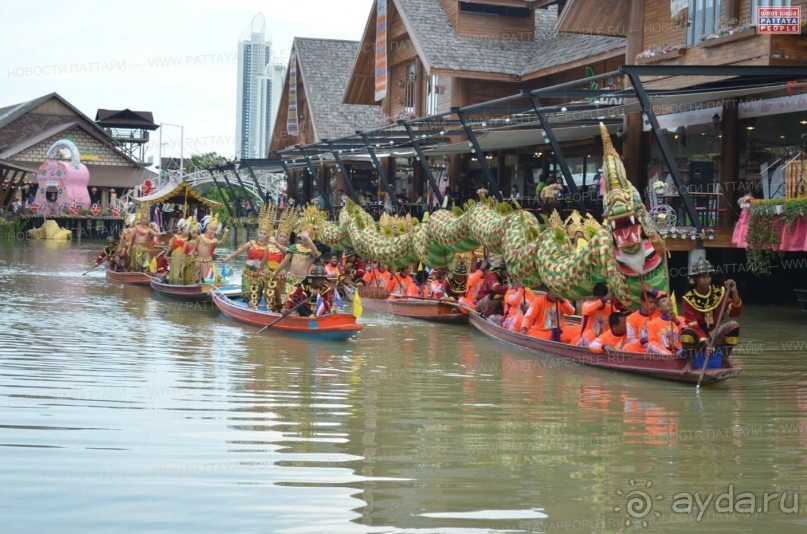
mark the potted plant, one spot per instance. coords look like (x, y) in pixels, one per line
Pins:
(792, 211)
(659, 187)
(763, 237)
(745, 201)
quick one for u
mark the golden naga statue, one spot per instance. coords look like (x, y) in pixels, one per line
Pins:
(50, 230)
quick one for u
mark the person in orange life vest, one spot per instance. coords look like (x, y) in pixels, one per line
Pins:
(595, 315)
(516, 303)
(701, 306)
(546, 318)
(637, 321)
(664, 331)
(400, 283)
(473, 284)
(378, 277)
(490, 296)
(614, 337)
(332, 268)
(315, 291)
(437, 287)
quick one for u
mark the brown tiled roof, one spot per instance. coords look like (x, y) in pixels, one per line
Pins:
(444, 49)
(325, 66)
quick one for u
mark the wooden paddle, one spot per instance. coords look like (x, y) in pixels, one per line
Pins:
(284, 315)
(91, 270)
(713, 337)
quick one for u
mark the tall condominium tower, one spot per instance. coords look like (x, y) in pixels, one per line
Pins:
(254, 113)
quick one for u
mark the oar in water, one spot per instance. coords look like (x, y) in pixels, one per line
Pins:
(91, 270)
(713, 337)
(284, 315)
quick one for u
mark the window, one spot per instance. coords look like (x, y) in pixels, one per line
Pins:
(766, 3)
(705, 20)
(409, 88)
(485, 9)
(431, 96)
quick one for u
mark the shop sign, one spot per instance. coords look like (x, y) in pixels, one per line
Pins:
(779, 20)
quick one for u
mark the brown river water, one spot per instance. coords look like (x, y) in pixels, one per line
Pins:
(121, 411)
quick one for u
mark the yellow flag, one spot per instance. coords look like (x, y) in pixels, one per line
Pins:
(674, 304)
(357, 307)
(153, 265)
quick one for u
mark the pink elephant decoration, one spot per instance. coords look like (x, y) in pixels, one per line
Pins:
(63, 182)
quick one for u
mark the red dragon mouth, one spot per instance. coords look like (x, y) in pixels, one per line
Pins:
(627, 233)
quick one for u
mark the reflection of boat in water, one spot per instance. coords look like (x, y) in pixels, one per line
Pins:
(431, 310)
(335, 326)
(129, 277)
(667, 367)
(193, 292)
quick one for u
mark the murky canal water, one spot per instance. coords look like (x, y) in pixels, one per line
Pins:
(121, 411)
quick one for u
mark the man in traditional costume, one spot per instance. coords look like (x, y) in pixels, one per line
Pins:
(458, 283)
(701, 307)
(317, 295)
(190, 263)
(108, 253)
(492, 290)
(205, 249)
(141, 243)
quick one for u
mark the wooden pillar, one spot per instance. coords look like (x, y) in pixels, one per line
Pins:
(634, 152)
(729, 159)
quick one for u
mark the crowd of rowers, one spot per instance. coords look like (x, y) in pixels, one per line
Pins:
(603, 324)
(287, 277)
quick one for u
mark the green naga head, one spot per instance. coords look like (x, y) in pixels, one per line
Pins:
(623, 210)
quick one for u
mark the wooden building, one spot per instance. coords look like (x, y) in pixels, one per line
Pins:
(28, 129)
(311, 110)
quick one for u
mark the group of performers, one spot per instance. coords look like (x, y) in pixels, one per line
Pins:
(284, 277)
(186, 259)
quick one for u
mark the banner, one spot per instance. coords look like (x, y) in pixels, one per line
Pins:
(381, 67)
(292, 126)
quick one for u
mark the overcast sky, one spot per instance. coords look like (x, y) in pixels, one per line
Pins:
(175, 58)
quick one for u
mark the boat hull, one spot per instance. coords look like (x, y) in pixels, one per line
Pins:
(337, 326)
(426, 310)
(133, 278)
(192, 293)
(651, 365)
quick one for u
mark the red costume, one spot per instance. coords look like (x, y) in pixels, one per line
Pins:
(700, 313)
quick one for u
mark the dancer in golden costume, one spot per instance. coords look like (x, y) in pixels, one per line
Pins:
(205, 248)
(175, 251)
(140, 241)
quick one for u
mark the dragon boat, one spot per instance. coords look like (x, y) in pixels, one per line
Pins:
(334, 326)
(193, 292)
(431, 310)
(128, 277)
(667, 367)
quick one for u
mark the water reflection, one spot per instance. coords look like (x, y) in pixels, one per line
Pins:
(112, 400)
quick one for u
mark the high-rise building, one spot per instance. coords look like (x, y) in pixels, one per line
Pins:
(255, 111)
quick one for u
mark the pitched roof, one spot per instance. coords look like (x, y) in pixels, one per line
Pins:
(443, 48)
(38, 127)
(125, 118)
(325, 67)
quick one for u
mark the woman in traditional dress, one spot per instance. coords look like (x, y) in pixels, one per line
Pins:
(175, 251)
(191, 263)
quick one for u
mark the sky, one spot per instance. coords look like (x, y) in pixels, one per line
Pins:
(175, 58)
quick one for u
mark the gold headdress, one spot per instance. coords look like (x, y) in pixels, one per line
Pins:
(193, 224)
(287, 221)
(555, 222)
(212, 222)
(574, 224)
(266, 220)
(143, 213)
(310, 220)
(591, 226)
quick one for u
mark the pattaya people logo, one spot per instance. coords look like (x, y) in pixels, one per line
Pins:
(642, 506)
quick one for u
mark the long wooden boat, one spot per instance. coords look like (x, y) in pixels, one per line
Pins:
(431, 310)
(192, 293)
(652, 365)
(129, 277)
(334, 326)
